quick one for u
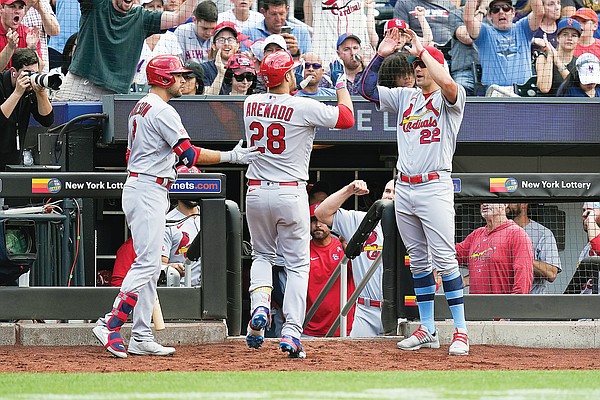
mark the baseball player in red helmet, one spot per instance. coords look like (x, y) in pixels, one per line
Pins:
(156, 143)
(283, 128)
(429, 118)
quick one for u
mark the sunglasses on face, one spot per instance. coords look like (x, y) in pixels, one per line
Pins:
(313, 65)
(419, 63)
(249, 76)
(504, 7)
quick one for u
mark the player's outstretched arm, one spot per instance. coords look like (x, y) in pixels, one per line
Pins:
(439, 73)
(191, 155)
(338, 77)
(333, 202)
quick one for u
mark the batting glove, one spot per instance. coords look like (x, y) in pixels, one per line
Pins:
(338, 76)
(240, 155)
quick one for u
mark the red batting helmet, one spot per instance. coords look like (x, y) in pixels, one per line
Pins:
(275, 66)
(160, 70)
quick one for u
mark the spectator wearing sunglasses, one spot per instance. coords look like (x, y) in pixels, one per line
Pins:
(313, 66)
(240, 75)
(193, 79)
(225, 44)
(504, 46)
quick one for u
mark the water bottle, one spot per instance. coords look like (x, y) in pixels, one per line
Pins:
(27, 158)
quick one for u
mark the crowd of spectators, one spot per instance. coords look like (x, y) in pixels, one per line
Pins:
(486, 43)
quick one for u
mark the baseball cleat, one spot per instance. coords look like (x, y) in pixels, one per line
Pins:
(460, 343)
(111, 340)
(292, 346)
(256, 327)
(420, 338)
(149, 348)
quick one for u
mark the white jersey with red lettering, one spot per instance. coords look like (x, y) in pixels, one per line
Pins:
(178, 239)
(427, 127)
(155, 127)
(283, 127)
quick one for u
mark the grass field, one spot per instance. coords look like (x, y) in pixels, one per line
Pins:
(305, 385)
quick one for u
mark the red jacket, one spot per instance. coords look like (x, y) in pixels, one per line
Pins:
(125, 258)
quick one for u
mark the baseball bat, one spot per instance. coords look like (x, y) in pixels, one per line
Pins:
(157, 315)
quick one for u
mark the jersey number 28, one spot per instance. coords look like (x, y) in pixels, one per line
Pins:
(275, 137)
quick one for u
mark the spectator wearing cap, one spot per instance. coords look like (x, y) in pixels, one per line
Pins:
(349, 50)
(504, 46)
(241, 14)
(260, 49)
(332, 18)
(193, 79)
(297, 41)
(554, 65)
(401, 25)
(313, 67)
(224, 45)
(13, 34)
(586, 81)
(195, 36)
(41, 17)
(109, 44)
(241, 75)
(569, 7)
(154, 45)
(589, 23)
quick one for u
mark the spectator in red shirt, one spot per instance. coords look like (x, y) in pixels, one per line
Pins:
(13, 34)
(589, 23)
(326, 252)
(499, 255)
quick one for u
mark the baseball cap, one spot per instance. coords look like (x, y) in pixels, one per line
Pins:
(8, 2)
(394, 23)
(509, 2)
(435, 53)
(588, 67)
(142, 2)
(277, 39)
(312, 209)
(585, 14)
(227, 25)
(568, 23)
(595, 204)
(343, 37)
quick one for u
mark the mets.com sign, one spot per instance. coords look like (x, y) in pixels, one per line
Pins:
(196, 186)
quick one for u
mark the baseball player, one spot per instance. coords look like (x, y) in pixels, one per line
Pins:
(157, 141)
(283, 128)
(429, 118)
(367, 317)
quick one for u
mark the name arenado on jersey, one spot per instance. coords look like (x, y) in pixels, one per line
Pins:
(267, 110)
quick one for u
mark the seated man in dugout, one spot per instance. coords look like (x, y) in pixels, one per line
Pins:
(499, 255)
(546, 260)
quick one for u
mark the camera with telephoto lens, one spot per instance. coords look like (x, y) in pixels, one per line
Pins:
(51, 81)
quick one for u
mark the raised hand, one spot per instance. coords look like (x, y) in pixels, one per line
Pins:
(338, 75)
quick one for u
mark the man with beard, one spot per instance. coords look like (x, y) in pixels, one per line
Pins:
(546, 261)
(109, 45)
(156, 142)
(326, 252)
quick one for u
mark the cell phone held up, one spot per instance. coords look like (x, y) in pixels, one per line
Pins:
(286, 29)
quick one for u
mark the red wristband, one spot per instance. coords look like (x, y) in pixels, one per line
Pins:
(421, 53)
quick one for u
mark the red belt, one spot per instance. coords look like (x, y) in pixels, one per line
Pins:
(370, 303)
(254, 182)
(419, 178)
(161, 181)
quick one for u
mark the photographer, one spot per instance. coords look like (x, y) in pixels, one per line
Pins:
(20, 98)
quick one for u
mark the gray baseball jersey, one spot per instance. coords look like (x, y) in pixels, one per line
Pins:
(155, 127)
(178, 239)
(544, 249)
(367, 319)
(427, 127)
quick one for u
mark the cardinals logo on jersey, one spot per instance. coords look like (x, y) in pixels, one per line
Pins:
(371, 247)
(341, 7)
(184, 243)
(419, 121)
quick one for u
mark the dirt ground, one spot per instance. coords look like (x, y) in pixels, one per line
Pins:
(321, 355)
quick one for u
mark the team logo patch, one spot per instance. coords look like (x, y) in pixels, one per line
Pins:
(45, 185)
(503, 185)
